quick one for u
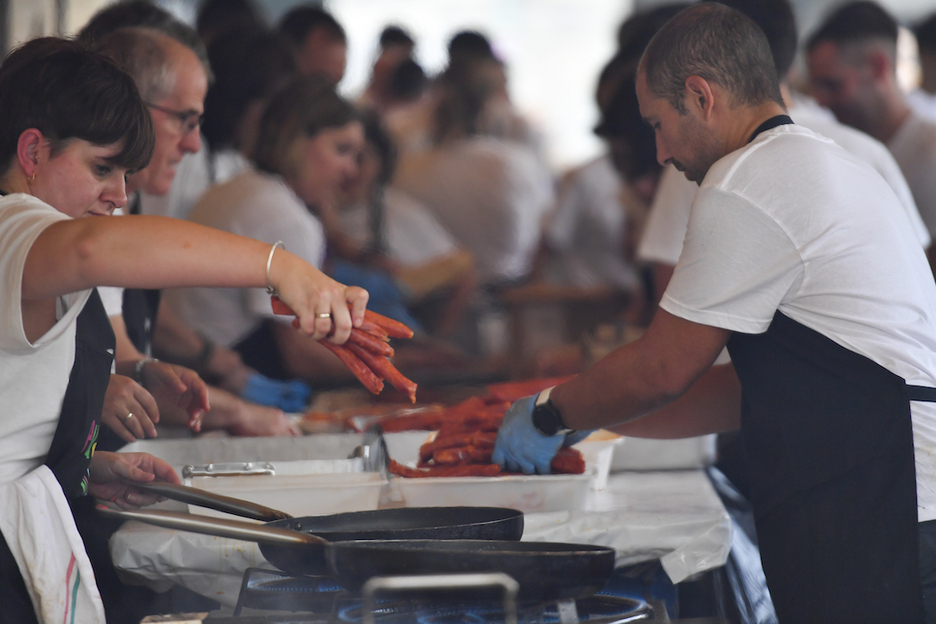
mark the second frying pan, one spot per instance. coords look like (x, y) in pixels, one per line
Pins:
(427, 523)
(544, 570)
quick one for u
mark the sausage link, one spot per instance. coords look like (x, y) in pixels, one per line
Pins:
(356, 366)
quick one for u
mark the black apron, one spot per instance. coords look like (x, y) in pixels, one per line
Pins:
(74, 440)
(140, 305)
(829, 444)
(76, 436)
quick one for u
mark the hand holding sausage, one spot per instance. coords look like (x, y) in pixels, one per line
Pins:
(323, 307)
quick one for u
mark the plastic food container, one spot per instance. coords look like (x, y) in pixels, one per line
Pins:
(528, 493)
(301, 488)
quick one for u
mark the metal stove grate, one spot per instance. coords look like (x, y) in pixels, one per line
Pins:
(322, 598)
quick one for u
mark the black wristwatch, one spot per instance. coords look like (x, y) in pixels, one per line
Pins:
(546, 417)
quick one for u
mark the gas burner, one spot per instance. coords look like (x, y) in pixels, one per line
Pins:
(321, 596)
(442, 612)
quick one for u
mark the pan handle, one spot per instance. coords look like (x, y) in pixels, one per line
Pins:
(218, 527)
(204, 498)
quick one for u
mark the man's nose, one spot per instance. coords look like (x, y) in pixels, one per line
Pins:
(663, 155)
(191, 142)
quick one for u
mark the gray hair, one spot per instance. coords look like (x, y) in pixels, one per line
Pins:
(717, 43)
(141, 52)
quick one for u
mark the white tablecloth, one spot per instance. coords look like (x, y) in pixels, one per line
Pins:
(674, 516)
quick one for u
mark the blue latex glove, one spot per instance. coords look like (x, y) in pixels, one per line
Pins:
(520, 447)
(289, 396)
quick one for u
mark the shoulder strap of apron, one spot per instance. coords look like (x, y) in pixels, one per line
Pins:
(76, 435)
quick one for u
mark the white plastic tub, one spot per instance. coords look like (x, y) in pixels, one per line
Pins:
(533, 493)
(324, 492)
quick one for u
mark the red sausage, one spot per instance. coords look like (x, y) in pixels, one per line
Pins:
(359, 368)
(385, 369)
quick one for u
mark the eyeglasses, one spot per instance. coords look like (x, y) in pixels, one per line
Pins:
(188, 120)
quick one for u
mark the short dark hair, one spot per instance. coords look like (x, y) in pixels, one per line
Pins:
(717, 43)
(635, 152)
(464, 87)
(925, 33)
(143, 14)
(778, 23)
(395, 35)
(303, 108)
(408, 81)
(376, 135)
(468, 45)
(250, 63)
(856, 22)
(67, 91)
(216, 16)
(302, 20)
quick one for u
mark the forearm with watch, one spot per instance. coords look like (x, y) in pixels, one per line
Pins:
(531, 434)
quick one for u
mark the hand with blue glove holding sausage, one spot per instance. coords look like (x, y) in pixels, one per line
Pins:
(531, 434)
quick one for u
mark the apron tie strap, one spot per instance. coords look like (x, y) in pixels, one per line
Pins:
(921, 393)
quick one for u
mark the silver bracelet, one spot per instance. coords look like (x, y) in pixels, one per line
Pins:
(270, 289)
(138, 368)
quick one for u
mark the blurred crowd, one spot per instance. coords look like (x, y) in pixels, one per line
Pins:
(432, 192)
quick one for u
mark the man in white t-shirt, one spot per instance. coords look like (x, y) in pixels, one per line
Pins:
(852, 62)
(799, 258)
(662, 240)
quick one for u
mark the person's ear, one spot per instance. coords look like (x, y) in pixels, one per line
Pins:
(879, 64)
(699, 96)
(27, 150)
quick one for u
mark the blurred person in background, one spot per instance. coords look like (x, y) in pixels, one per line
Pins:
(395, 233)
(307, 147)
(395, 47)
(250, 64)
(923, 99)
(599, 213)
(217, 16)
(172, 68)
(319, 42)
(852, 60)
(488, 192)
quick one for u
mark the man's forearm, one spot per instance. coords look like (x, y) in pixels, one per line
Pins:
(711, 405)
(642, 376)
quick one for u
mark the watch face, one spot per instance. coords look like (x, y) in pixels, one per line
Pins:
(546, 419)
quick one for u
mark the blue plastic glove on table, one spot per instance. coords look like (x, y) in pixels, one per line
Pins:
(289, 396)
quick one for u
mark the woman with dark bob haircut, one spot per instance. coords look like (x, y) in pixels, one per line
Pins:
(73, 126)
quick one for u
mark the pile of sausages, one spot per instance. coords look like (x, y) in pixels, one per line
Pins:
(465, 442)
(366, 352)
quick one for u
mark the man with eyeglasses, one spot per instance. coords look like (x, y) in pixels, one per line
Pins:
(173, 83)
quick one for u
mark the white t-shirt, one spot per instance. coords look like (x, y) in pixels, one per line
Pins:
(260, 206)
(491, 196)
(923, 103)
(914, 149)
(794, 223)
(33, 376)
(588, 228)
(413, 235)
(666, 226)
